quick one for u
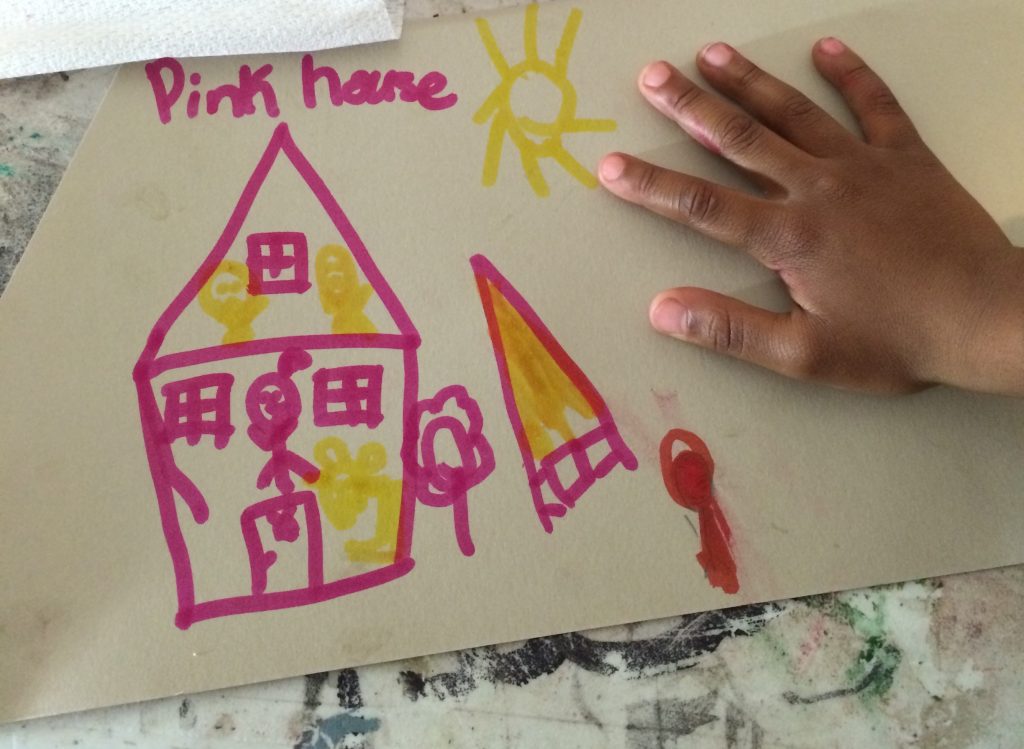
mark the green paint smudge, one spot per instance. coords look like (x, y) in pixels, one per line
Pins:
(6, 170)
(875, 668)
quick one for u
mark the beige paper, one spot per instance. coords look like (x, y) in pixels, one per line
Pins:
(161, 511)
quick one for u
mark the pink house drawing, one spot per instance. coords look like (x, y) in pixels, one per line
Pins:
(278, 394)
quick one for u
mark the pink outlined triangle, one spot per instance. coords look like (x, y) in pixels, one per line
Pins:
(544, 471)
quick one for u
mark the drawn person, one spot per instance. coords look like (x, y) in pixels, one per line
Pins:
(341, 294)
(899, 279)
(273, 405)
(225, 298)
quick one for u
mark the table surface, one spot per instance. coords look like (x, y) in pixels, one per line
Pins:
(930, 664)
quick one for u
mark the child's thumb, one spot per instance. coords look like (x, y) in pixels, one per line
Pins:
(777, 341)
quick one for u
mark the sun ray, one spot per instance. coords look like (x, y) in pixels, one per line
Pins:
(567, 41)
(495, 144)
(530, 33)
(574, 167)
(531, 166)
(491, 103)
(491, 45)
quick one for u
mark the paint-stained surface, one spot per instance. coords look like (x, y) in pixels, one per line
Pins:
(935, 664)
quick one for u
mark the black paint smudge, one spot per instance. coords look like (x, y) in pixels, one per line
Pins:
(869, 679)
(413, 685)
(314, 683)
(677, 648)
(652, 725)
(350, 695)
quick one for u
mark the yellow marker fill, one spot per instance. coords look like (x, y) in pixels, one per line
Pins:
(345, 488)
(543, 391)
(226, 299)
(341, 294)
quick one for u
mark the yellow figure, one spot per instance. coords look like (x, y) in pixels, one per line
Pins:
(341, 294)
(542, 390)
(225, 298)
(535, 140)
(345, 488)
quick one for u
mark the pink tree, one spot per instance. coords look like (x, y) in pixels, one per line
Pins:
(446, 484)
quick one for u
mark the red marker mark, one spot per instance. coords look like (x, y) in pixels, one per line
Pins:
(688, 478)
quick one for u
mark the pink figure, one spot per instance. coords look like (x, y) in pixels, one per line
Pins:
(442, 484)
(273, 405)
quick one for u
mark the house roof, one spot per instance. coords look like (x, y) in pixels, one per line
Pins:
(363, 311)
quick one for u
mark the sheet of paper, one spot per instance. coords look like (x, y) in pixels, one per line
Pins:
(312, 382)
(44, 36)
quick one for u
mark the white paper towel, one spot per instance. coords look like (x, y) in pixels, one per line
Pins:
(43, 36)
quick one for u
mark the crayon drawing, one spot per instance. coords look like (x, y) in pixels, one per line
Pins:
(290, 436)
(534, 139)
(565, 432)
(688, 477)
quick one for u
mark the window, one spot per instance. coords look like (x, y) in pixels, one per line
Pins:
(278, 262)
(198, 406)
(347, 396)
(573, 467)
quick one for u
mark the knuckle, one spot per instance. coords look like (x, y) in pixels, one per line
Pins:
(698, 202)
(831, 187)
(738, 132)
(880, 100)
(684, 98)
(796, 106)
(722, 332)
(856, 76)
(646, 180)
(751, 76)
(876, 97)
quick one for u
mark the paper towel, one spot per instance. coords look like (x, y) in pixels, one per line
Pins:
(43, 36)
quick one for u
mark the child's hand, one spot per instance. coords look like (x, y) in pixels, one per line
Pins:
(900, 279)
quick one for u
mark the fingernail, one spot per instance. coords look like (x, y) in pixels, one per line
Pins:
(831, 46)
(717, 54)
(656, 74)
(667, 316)
(612, 167)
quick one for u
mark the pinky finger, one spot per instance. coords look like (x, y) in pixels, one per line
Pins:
(881, 118)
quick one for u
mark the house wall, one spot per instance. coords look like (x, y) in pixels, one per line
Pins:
(229, 475)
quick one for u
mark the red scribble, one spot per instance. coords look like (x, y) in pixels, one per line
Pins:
(689, 479)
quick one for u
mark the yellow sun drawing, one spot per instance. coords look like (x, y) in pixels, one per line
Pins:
(535, 140)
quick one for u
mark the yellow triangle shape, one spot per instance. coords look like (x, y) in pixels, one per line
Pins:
(543, 392)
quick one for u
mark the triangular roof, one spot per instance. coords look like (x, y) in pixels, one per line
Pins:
(282, 152)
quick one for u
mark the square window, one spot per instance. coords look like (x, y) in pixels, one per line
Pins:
(347, 396)
(278, 262)
(197, 406)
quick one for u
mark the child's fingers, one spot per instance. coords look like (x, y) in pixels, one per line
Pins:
(727, 215)
(881, 118)
(779, 106)
(781, 342)
(722, 127)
